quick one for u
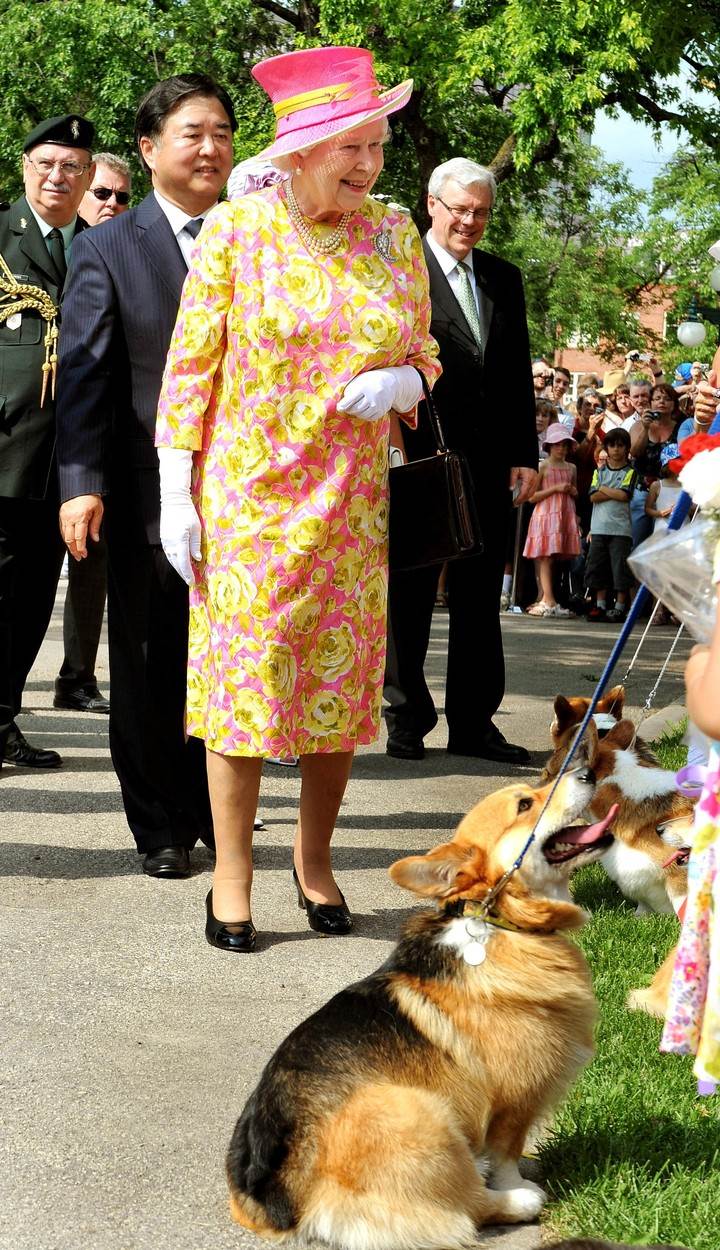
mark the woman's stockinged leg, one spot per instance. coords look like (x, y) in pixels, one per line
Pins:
(234, 784)
(324, 781)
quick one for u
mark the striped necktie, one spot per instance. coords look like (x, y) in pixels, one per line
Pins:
(466, 300)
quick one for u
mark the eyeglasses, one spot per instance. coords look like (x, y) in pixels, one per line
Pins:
(71, 169)
(480, 214)
(106, 193)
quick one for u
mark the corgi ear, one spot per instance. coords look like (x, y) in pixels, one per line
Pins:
(621, 735)
(613, 702)
(565, 715)
(446, 870)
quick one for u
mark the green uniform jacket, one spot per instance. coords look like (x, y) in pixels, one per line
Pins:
(27, 431)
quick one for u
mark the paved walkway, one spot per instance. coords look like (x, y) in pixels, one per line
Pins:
(128, 1044)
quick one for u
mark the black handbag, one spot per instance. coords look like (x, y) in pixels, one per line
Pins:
(432, 509)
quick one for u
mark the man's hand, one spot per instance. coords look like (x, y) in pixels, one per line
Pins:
(78, 518)
(526, 482)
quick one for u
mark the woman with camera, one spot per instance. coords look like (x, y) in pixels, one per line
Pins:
(648, 436)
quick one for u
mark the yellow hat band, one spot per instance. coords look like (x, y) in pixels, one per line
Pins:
(310, 99)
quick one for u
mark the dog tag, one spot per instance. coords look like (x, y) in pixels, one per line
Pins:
(476, 929)
(474, 953)
(14, 321)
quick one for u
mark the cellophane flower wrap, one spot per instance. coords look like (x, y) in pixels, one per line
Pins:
(682, 567)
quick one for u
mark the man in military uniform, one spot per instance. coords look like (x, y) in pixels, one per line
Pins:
(36, 234)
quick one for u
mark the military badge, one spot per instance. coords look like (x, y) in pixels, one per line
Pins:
(75, 128)
(23, 223)
(14, 321)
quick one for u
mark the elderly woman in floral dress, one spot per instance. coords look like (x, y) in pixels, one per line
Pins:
(303, 324)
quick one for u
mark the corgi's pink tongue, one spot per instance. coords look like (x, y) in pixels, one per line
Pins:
(581, 835)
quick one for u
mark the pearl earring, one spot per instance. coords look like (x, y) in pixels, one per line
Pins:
(298, 169)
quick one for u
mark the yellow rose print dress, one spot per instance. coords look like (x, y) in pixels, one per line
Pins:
(288, 610)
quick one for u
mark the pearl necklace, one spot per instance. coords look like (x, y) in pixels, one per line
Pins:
(310, 237)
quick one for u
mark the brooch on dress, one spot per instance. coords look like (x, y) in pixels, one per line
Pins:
(382, 242)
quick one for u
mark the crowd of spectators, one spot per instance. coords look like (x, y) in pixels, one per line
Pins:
(622, 433)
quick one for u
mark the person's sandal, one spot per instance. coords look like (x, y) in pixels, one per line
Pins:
(540, 609)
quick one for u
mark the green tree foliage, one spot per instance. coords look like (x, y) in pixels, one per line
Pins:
(508, 81)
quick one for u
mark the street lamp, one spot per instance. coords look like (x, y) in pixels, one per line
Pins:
(691, 332)
(715, 278)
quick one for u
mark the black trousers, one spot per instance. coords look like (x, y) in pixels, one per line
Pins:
(475, 682)
(31, 556)
(83, 618)
(162, 774)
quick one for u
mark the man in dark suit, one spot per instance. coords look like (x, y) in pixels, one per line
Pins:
(37, 235)
(120, 310)
(76, 688)
(486, 405)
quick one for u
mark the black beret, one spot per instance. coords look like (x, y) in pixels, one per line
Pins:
(72, 131)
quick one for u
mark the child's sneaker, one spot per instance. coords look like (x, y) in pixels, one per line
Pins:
(617, 615)
(597, 614)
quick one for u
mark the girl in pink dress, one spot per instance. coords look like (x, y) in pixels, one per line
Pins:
(553, 532)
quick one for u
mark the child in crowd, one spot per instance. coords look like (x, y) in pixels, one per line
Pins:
(611, 490)
(665, 491)
(545, 415)
(553, 533)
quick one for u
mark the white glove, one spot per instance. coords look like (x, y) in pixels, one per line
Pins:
(370, 395)
(179, 522)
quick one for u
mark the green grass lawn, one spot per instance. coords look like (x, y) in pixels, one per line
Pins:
(634, 1155)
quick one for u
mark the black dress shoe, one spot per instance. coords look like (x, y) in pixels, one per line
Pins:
(490, 746)
(18, 751)
(333, 919)
(167, 861)
(405, 748)
(229, 937)
(84, 699)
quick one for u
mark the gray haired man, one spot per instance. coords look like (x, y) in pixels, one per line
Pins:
(478, 319)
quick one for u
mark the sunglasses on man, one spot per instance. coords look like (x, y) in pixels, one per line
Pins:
(105, 193)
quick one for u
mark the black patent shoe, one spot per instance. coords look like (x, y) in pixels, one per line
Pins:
(239, 937)
(332, 919)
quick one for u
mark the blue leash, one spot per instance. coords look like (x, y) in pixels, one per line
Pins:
(678, 515)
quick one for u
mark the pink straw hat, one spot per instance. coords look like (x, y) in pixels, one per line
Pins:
(558, 433)
(321, 92)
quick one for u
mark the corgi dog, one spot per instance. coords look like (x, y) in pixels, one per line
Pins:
(654, 818)
(569, 712)
(376, 1122)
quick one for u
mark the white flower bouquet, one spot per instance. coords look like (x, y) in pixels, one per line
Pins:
(682, 567)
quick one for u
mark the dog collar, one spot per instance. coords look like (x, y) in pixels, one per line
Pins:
(480, 911)
(468, 907)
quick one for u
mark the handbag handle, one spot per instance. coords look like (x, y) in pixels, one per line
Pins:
(433, 415)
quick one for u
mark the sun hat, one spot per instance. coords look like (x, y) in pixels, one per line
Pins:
(558, 433)
(612, 381)
(318, 93)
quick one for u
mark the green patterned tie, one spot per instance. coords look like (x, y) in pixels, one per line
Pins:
(466, 300)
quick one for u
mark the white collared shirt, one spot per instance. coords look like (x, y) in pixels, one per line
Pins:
(67, 232)
(178, 219)
(449, 263)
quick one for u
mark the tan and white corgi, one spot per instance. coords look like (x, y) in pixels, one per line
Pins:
(653, 819)
(376, 1121)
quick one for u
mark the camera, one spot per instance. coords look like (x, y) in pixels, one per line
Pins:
(653, 415)
(633, 355)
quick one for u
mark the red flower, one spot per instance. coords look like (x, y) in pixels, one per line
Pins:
(691, 446)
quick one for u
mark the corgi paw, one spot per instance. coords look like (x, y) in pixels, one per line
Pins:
(524, 1203)
(644, 1000)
